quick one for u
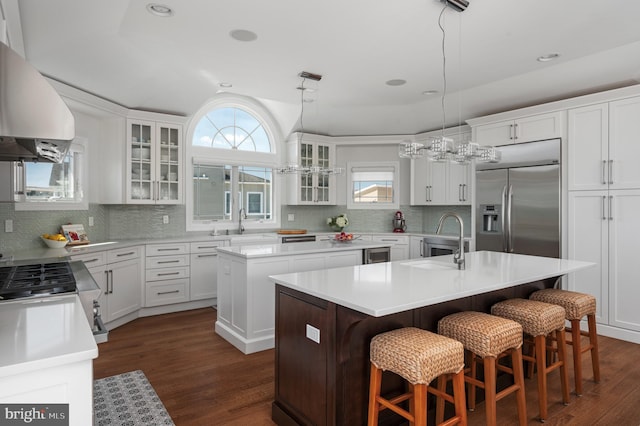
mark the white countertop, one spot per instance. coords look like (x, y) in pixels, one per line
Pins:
(271, 250)
(43, 333)
(387, 288)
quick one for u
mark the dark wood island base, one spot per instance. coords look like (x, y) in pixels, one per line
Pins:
(327, 383)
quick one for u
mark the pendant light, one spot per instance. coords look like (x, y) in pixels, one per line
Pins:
(442, 148)
(314, 169)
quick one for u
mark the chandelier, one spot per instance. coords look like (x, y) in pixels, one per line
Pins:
(442, 148)
(297, 168)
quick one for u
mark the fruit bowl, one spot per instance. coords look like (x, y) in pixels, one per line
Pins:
(54, 243)
(343, 237)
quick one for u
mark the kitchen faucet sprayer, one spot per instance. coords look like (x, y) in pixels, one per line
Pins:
(458, 258)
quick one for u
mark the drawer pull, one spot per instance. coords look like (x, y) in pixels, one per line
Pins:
(125, 254)
(95, 259)
(208, 247)
(168, 261)
(169, 249)
(167, 292)
(208, 255)
(168, 273)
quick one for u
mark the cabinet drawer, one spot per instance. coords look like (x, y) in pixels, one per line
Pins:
(124, 254)
(391, 239)
(92, 259)
(165, 249)
(167, 273)
(167, 292)
(206, 247)
(167, 261)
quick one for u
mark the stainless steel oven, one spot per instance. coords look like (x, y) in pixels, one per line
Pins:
(439, 246)
(376, 255)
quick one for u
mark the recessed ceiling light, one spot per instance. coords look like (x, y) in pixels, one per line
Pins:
(396, 82)
(243, 35)
(548, 57)
(225, 85)
(429, 92)
(159, 10)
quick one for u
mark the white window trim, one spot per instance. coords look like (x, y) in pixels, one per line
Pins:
(216, 156)
(393, 166)
(261, 212)
(79, 144)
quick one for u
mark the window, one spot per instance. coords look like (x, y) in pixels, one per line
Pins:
(56, 186)
(373, 185)
(232, 156)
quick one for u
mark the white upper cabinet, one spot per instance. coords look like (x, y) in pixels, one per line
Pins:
(603, 150)
(525, 129)
(154, 162)
(588, 130)
(441, 183)
(313, 188)
(624, 145)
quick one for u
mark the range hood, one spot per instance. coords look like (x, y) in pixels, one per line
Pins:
(35, 123)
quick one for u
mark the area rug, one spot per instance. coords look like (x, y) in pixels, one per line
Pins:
(127, 399)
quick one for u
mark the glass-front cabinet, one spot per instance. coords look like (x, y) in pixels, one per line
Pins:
(154, 156)
(311, 188)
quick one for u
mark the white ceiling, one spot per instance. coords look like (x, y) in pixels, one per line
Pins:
(119, 51)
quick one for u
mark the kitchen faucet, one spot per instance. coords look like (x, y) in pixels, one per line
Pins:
(240, 214)
(458, 258)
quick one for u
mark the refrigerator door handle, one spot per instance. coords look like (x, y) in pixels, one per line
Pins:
(503, 222)
(509, 223)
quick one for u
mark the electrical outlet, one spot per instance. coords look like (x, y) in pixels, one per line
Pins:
(313, 333)
(90, 220)
(291, 217)
(165, 219)
(8, 225)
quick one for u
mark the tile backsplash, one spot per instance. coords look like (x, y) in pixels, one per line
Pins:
(142, 221)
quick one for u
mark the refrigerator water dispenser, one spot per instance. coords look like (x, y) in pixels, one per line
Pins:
(490, 218)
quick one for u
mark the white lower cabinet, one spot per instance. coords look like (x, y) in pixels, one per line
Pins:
(119, 274)
(416, 247)
(604, 229)
(167, 274)
(399, 245)
(204, 270)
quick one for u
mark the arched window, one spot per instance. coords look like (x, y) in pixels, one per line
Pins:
(231, 128)
(231, 157)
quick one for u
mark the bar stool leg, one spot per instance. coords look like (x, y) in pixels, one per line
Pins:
(541, 366)
(459, 397)
(419, 405)
(577, 354)
(593, 340)
(490, 389)
(374, 392)
(472, 387)
(562, 355)
(442, 385)
(518, 378)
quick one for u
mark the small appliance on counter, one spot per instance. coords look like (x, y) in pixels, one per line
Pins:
(399, 222)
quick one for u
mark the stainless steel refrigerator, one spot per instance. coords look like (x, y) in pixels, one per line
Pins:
(518, 200)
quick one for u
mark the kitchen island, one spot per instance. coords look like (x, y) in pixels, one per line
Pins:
(246, 308)
(325, 320)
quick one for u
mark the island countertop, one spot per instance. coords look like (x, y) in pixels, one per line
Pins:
(387, 288)
(269, 250)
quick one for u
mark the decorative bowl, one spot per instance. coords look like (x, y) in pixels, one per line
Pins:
(54, 243)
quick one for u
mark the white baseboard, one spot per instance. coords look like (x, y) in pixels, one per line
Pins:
(246, 346)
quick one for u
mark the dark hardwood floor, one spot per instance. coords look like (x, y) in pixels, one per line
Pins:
(203, 380)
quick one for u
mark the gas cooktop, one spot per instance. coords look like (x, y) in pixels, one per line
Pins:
(43, 279)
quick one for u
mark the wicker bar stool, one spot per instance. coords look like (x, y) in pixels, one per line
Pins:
(419, 357)
(576, 306)
(539, 320)
(490, 338)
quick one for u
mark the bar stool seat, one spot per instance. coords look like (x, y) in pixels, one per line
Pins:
(419, 357)
(539, 320)
(489, 337)
(577, 306)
